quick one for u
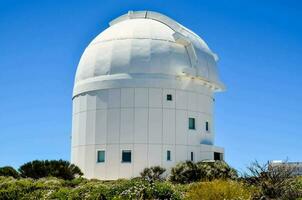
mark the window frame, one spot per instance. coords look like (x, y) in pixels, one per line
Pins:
(194, 124)
(122, 157)
(192, 156)
(169, 155)
(169, 97)
(207, 126)
(97, 156)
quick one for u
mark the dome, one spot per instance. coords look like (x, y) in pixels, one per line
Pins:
(147, 43)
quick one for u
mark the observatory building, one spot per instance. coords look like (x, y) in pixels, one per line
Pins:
(143, 96)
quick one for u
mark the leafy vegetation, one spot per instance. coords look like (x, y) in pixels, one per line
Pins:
(154, 173)
(9, 171)
(188, 180)
(220, 190)
(188, 172)
(274, 182)
(55, 168)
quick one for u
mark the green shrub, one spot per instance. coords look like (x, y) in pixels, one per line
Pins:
(165, 190)
(274, 182)
(216, 170)
(142, 189)
(220, 190)
(185, 172)
(44, 168)
(89, 191)
(189, 172)
(153, 173)
(9, 171)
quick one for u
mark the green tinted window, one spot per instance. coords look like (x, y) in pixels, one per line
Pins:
(168, 155)
(207, 126)
(191, 123)
(126, 156)
(101, 156)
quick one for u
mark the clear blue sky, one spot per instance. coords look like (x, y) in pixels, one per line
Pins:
(259, 45)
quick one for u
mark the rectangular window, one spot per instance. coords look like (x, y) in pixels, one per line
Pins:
(169, 97)
(126, 156)
(192, 156)
(207, 126)
(218, 156)
(168, 155)
(101, 156)
(191, 123)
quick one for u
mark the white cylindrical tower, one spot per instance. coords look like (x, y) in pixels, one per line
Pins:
(143, 96)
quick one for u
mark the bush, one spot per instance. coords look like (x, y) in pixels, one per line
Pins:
(216, 170)
(219, 190)
(9, 171)
(44, 168)
(90, 191)
(153, 173)
(274, 182)
(186, 172)
(142, 189)
(190, 172)
(165, 190)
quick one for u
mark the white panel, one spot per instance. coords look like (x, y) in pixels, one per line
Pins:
(155, 125)
(113, 125)
(101, 127)
(127, 97)
(168, 126)
(208, 105)
(91, 101)
(141, 97)
(141, 125)
(155, 97)
(76, 105)
(82, 127)
(166, 103)
(127, 125)
(181, 153)
(74, 155)
(90, 127)
(181, 99)
(125, 170)
(192, 101)
(100, 168)
(181, 127)
(80, 161)
(89, 161)
(83, 102)
(112, 161)
(102, 99)
(75, 129)
(154, 155)
(140, 155)
(205, 155)
(205, 104)
(114, 98)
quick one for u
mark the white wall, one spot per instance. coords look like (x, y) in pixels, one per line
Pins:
(143, 121)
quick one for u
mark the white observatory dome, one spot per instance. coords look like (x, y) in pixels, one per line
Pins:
(143, 96)
(146, 42)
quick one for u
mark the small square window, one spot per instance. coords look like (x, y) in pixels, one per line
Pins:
(191, 123)
(169, 97)
(100, 156)
(168, 155)
(126, 156)
(207, 126)
(192, 156)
